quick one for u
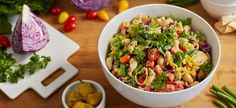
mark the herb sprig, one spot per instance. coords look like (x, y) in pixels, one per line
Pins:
(10, 71)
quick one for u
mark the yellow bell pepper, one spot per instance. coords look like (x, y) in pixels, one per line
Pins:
(103, 15)
(123, 5)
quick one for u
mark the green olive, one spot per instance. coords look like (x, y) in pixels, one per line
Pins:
(73, 97)
(94, 99)
(83, 105)
(85, 89)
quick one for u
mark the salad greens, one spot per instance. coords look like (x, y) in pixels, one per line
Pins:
(12, 72)
(156, 53)
(9, 7)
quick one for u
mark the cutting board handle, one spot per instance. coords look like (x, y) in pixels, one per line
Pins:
(46, 91)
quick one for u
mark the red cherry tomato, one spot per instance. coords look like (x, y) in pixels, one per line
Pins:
(4, 42)
(91, 14)
(153, 54)
(71, 19)
(69, 27)
(182, 48)
(55, 10)
(141, 79)
(150, 63)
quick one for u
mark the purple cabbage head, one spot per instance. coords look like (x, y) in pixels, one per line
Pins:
(29, 34)
(90, 4)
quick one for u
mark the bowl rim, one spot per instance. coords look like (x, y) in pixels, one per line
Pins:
(222, 5)
(65, 91)
(160, 93)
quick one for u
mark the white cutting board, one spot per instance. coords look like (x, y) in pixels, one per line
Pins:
(59, 48)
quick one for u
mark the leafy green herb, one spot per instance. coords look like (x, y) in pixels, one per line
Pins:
(206, 67)
(139, 55)
(10, 71)
(9, 7)
(187, 21)
(5, 26)
(159, 83)
(131, 81)
(178, 58)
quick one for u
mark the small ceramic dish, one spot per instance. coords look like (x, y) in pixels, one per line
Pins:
(73, 86)
(218, 8)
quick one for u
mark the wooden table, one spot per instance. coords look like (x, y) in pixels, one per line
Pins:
(87, 61)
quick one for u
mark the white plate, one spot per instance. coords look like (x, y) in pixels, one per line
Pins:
(59, 48)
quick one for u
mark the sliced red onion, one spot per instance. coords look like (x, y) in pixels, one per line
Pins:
(148, 22)
(205, 48)
(90, 4)
(29, 33)
(170, 24)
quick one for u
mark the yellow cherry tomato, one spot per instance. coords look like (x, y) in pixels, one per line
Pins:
(103, 15)
(63, 17)
(123, 5)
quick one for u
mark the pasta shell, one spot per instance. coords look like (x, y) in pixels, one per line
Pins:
(142, 74)
(132, 65)
(199, 58)
(109, 61)
(151, 77)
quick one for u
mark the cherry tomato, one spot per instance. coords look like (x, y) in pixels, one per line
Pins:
(153, 54)
(4, 41)
(103, 15)
(182, 48)
(179, 32)
(141, 79)
(63, 17)
(150, 63)
(69, 27)
(71, 19)
(123, 5)
(55, 10)
(125, 59)
(91, 14)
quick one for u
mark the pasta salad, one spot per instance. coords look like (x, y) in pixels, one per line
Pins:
(159, 54)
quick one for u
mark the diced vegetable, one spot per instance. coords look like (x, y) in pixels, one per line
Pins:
(153, 54)
(125, 59)
(29, 34)
(123, 70)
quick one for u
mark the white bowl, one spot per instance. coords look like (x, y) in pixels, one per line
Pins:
(157, 99)
(218, 8)
(73, 86)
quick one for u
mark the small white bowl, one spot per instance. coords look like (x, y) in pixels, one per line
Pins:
(218, 8)
(73, 86)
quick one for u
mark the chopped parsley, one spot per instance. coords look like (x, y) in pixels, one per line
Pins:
(10, 71)
(206, 67)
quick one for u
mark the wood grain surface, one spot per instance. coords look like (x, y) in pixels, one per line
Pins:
(87, 61)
